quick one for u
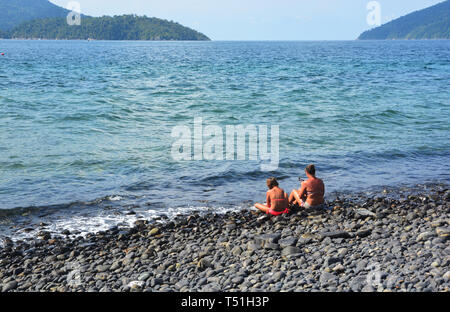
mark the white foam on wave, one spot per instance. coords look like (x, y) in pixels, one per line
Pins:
(81, 223)
(114, 198)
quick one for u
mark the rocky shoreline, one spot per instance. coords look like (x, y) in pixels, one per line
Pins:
(373, 244)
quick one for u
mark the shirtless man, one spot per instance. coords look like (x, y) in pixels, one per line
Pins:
(276, 199)
(311, 193)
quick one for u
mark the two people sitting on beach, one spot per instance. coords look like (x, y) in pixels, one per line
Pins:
(310, 195)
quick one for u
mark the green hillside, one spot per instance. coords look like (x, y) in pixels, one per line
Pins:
(429, 23)
(124, 27)
(14, 12)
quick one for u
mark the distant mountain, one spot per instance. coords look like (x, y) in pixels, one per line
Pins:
(14, 12)
(429, 23)
(40, 19)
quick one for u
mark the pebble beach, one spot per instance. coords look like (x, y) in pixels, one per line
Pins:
(370, 244)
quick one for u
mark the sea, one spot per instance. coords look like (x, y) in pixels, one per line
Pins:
(90, 131)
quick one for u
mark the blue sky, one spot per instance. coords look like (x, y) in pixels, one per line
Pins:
(260, 19)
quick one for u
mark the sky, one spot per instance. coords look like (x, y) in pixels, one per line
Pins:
(261, 19)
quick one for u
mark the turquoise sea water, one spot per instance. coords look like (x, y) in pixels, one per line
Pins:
(88, 124)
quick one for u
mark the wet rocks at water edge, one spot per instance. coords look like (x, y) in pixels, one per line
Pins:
(375, 243)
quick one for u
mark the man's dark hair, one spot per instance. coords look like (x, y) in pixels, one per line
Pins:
(311, 169)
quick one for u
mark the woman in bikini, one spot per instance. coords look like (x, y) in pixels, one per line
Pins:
(276, 199)
(311, 193)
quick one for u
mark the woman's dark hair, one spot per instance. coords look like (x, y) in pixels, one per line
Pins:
(272, 182)
(311, 169)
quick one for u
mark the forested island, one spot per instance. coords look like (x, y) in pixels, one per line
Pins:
(123, 27)
(40, 19)
(429, 23)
